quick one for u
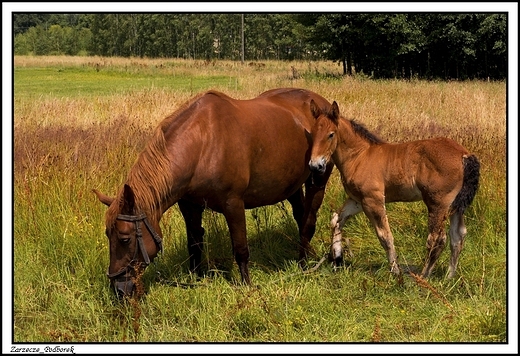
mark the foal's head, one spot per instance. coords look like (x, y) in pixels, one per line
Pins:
(324, 136)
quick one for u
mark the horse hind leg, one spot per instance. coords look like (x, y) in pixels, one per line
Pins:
(234, 212)
(192, 214)
(436, 239)
(465, 196)
(457, 234)
(349, 209)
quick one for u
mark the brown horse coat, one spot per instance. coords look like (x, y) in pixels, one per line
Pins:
(224, 154)
(438, 171)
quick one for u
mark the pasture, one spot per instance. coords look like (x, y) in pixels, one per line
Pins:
(80, 122)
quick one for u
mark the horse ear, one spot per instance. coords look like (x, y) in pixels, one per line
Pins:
(105, 199)
(334, 112)
(128, 200)
(315, 109)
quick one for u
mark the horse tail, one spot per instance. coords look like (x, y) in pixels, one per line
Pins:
(470, 183)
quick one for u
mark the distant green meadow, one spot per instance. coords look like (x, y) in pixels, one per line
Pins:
(75, 82)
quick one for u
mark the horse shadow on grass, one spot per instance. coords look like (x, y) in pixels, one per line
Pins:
(273, 247)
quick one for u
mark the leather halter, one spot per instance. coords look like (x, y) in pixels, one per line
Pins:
(139, 241)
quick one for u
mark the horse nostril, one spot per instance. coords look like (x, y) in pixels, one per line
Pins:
(317, 166)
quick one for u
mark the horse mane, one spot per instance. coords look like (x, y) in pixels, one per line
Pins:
(151, 177)
(362, 131)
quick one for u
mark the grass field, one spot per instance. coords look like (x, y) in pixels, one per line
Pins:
(80, 122)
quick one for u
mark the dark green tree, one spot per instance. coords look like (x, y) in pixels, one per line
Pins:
(22, 22)
(380, 45)
(492, 46)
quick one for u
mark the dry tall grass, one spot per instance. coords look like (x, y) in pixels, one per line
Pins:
(473, 113)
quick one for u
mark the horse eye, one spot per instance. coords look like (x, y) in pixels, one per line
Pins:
(331, 135)
(125, 241)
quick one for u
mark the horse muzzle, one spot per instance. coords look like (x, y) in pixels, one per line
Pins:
(318, 165)
(123, 287)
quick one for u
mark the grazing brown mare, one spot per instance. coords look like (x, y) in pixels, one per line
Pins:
(438, 171)
(219, 153)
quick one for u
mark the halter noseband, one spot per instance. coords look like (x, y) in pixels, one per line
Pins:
(139, 240)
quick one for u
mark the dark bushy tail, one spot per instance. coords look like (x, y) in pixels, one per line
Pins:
(470, 184)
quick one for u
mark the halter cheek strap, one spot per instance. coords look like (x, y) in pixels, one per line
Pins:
(139, 240)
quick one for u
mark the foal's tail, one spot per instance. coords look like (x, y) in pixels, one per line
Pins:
(470, 184)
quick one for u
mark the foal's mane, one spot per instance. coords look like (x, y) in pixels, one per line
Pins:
(151, 177)
(362, 131)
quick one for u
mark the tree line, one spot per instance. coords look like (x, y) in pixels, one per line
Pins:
(378, 45)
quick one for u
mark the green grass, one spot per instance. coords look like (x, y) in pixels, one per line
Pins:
(61, 293)
(34, 82)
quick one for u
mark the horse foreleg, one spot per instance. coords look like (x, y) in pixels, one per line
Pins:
(297, 203)
(235, 214)
(192, 214)
(349, 209)
(313, 199)
(376, 212)
(457, 234)
(314, 194)
(436, 239)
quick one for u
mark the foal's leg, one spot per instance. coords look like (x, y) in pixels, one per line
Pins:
(349, 209)
(235, 214)
(457, 234)
(436, 237)
(192, 214)
(375, 210)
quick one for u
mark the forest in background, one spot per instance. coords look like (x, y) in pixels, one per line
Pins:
(377, 45)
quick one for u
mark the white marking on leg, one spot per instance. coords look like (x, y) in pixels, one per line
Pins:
(334, 220)
(350, 208)
(457, 234)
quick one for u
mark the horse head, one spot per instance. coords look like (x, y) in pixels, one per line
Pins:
(134, 240)
(324, 136)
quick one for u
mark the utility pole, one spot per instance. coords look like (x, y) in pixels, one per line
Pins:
(243, 46)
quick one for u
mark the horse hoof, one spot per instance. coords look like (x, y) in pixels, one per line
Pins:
(338, 261)
(395, 270)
